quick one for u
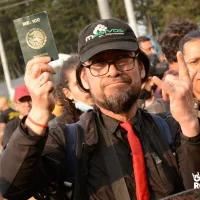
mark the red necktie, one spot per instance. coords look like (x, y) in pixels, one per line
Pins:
(142, 192)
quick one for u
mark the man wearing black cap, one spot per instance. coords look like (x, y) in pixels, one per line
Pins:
(126, 153)
(22, 101)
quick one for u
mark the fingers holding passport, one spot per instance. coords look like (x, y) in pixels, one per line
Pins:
(38, 80)
(38, 65)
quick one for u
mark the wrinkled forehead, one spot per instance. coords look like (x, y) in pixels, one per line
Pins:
(191, 48)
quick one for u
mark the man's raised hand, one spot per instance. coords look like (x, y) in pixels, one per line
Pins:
(38, 81)
(179, 91)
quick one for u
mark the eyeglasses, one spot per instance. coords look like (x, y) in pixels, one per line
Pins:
(100, 68)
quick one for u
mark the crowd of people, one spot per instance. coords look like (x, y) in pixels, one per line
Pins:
(128, 122)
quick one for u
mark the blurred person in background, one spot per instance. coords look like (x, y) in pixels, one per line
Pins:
(23, 104)
(147, 97)
(58, 107)
(190, 46)
(6, 114)
(169, 42)
(147, 47)
(57, 65)
(73, 100)
(163, 61)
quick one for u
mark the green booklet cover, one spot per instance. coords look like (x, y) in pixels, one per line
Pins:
(35, 36)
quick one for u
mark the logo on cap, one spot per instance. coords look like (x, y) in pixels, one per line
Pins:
(101, 30)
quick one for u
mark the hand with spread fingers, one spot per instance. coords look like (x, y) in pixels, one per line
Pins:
(38, 81)
(179, 91)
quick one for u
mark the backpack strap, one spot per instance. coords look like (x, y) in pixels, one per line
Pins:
(71, 135)
(75, 160)
(163, 126)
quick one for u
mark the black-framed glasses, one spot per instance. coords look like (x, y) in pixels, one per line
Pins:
(100, 68)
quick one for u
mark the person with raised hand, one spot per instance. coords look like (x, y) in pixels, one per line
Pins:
(38, 80)
(189, 45)
(122, 152)
(179, 91)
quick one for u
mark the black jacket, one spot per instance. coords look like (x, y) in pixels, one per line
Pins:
(24, 171)
(9, 130)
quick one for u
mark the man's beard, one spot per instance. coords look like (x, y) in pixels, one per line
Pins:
(119, 102)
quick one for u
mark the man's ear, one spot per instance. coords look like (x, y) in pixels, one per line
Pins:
(67, 94)
(84, 79)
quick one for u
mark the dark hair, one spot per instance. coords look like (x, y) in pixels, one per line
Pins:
(171, 36)
(78, 78)
(143, 39)
(70, 113)
(193, 35)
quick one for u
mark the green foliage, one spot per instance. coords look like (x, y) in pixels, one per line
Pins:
(161, 13)
(118, 9)
(67, 18)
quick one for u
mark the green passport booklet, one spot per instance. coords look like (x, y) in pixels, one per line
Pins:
(35, 36)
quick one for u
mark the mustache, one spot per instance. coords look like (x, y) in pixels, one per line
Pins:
(108, 81)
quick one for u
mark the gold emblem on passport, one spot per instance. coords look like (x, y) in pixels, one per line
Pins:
(36, 38)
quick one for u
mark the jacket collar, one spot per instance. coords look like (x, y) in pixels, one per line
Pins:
(111, 124)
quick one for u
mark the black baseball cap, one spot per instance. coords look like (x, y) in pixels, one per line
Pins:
(106, 34)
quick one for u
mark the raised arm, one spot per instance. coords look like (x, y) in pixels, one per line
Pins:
(179, 91)
(38, 81)
(24, 164)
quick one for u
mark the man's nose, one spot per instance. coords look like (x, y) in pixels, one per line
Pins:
(113, 71)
